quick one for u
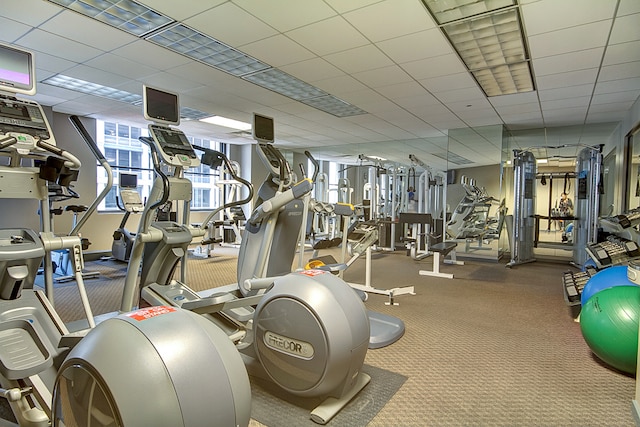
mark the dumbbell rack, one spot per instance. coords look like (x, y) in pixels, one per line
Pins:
(613, 251)
(573, 283)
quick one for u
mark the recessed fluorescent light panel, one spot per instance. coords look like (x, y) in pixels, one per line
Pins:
(198, 46)
(488, 37)
(126, 15)
(192, 114)
(229, 123)
(83, 86)
(139, 20)
(66, 82)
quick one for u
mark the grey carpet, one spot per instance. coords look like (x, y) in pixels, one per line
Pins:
(492, 347)
(273, 411)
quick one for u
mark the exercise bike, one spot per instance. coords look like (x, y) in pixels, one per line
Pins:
(307, 332)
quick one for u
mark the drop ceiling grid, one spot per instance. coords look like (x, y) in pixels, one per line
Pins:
(223, 21)
(74, 26)
(13, 30)
(181, 10)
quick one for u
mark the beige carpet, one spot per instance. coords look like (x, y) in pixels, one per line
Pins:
(492, 347)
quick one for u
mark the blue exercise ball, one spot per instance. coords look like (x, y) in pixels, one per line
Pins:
(609, 325)
(605, 279)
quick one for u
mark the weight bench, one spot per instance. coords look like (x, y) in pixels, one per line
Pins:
(442, 249)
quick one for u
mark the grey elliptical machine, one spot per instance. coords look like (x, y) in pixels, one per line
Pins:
(307, 332)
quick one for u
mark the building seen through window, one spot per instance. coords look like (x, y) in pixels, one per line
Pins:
(126, 154)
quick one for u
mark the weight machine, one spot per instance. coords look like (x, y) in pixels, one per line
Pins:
(586, 195)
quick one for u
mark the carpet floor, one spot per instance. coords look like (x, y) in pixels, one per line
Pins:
(491, 347)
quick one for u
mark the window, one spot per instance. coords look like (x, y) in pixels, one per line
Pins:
(125, 153)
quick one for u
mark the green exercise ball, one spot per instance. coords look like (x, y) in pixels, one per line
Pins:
(609, 324)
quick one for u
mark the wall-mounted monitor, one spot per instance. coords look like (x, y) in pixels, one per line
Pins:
(160, 106)
(263, 128)
(17, 70)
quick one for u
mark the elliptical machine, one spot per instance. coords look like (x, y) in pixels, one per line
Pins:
(131, 203)
(308, 332)
(50, 376)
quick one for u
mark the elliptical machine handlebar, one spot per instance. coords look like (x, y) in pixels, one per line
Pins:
(316, 165)
(77, 124)
(155, 159)
(214, 159)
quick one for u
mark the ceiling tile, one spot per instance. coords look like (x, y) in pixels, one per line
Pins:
(383, 76)
(571, 61)
(312, 70)
(626, 29)
(570, 39)
(361, 58)
(30, 12)
(566, 92)
(12, 30)
(413, 47)
(530, 107)
(565, 103)
(341, 85)
(277, 51)
(621, 53)
(401, 90)
(345, 6)
(337, 35)
(617, 85)
(574, 78)
(42, 41)
(154, 56)
(286, 15)
(168, 81)
(445, 83)
(94, 33)
(200, 73)
(627, 7)
(51, 63)
(621, 107)
(94, 75)
(180, 10)
(222, 23)
(409, 16)
(514, 99)
(468, 95)
(421, 98)
(619, 71)
(552, 15)
(608, 98)
(434, 67)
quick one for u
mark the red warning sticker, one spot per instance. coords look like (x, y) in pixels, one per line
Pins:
(150, 312)
(312, 273)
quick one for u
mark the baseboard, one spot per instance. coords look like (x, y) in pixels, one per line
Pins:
(95, 255)
(635, 411)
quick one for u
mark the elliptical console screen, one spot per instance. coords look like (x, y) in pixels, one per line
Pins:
(17, 70)
(263, 128)
(160, 106)
(17, 75)
(173, 146)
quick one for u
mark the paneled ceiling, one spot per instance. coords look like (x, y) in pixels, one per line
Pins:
(386, 57)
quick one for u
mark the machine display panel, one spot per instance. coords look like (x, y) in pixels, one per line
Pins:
(263, 128)
(160, 106)
(17, 70)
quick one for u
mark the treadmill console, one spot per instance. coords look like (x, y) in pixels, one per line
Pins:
(173, 146)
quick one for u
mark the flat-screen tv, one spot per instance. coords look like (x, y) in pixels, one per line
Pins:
(160, 106)
(263, 128)
(17, 70)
